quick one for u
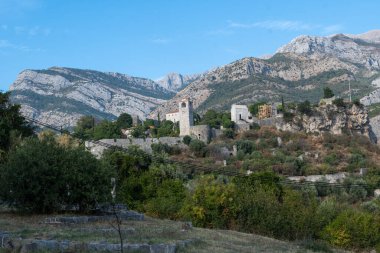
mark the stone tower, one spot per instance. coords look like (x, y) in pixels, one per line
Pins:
(186, 120)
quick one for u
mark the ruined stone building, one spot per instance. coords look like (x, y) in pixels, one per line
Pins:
(184, 116)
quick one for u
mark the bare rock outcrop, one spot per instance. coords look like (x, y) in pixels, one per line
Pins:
(351, 119)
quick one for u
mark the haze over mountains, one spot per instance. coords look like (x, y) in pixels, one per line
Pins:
(297, 71)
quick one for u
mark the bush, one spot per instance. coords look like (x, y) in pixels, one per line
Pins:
(198, 147)
(304, 107)
(209, 204)
(357, 103)
(327, 93)
(245, 146)
(161, 148)
(331, 159)
(353, 229)
(186, 140)
(41, 176)
(169, 200)
(288, 116)
(229, 133)
(339, 102)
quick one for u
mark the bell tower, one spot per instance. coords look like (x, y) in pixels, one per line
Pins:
(186, 120)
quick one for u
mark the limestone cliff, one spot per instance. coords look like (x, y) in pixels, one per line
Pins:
(176, 82)
(332, 119)
(60, 96)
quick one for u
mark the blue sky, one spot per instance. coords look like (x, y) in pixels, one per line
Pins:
(153, 37)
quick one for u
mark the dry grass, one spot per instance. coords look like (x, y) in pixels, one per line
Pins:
(148, 231)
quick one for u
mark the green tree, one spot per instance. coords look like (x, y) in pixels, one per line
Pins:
(209, 204)
(168, 128)
(254, 108)
(138, 132)
(106, 130)
(327, 93)
(41, 176)
(124, 121)
(186, 140)
(198, 147)
(229, 133)
(211, 118)
(304, 107)
(84, 128)
(353, 229)
(339, 102)
(168, 201)
(12, 123)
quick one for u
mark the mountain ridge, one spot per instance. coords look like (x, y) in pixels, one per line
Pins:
(61, 95)
(297, 71)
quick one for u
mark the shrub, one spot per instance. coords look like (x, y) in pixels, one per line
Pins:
(255, 126)
(288, 116)
(331, 159)
(357, 103)
(327, 93)
(304, 107)
(41, 176)
(229, 133)
(169, 200)
(198, 147)
(339, 102)
(254, 108)
(161, 148)
(263, 205)
(323, 187)
(245, 146)
(209, 204)
(186, 140)
(353, 229)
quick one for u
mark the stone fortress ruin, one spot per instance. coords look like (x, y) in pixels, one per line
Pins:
(185, 117)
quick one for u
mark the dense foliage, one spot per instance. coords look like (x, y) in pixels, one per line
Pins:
(12, 124)
(217, 119)
(40, 176)
(327, 93)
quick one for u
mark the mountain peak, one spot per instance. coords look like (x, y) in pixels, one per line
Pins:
(373, 36)
(175, 81)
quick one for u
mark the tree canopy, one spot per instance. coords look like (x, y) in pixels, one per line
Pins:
(12, 124)
(327, 93)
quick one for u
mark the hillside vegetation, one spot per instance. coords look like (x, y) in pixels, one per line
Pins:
(45, 174)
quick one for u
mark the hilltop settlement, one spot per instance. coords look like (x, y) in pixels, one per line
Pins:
(284, 147)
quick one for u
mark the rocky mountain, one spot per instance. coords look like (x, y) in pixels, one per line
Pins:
(60, 96)
(298, 71)
(372, 36)
(176, 82)
(353, 49)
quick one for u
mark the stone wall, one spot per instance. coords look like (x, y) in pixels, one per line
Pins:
(144, 144)
(201, 132)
